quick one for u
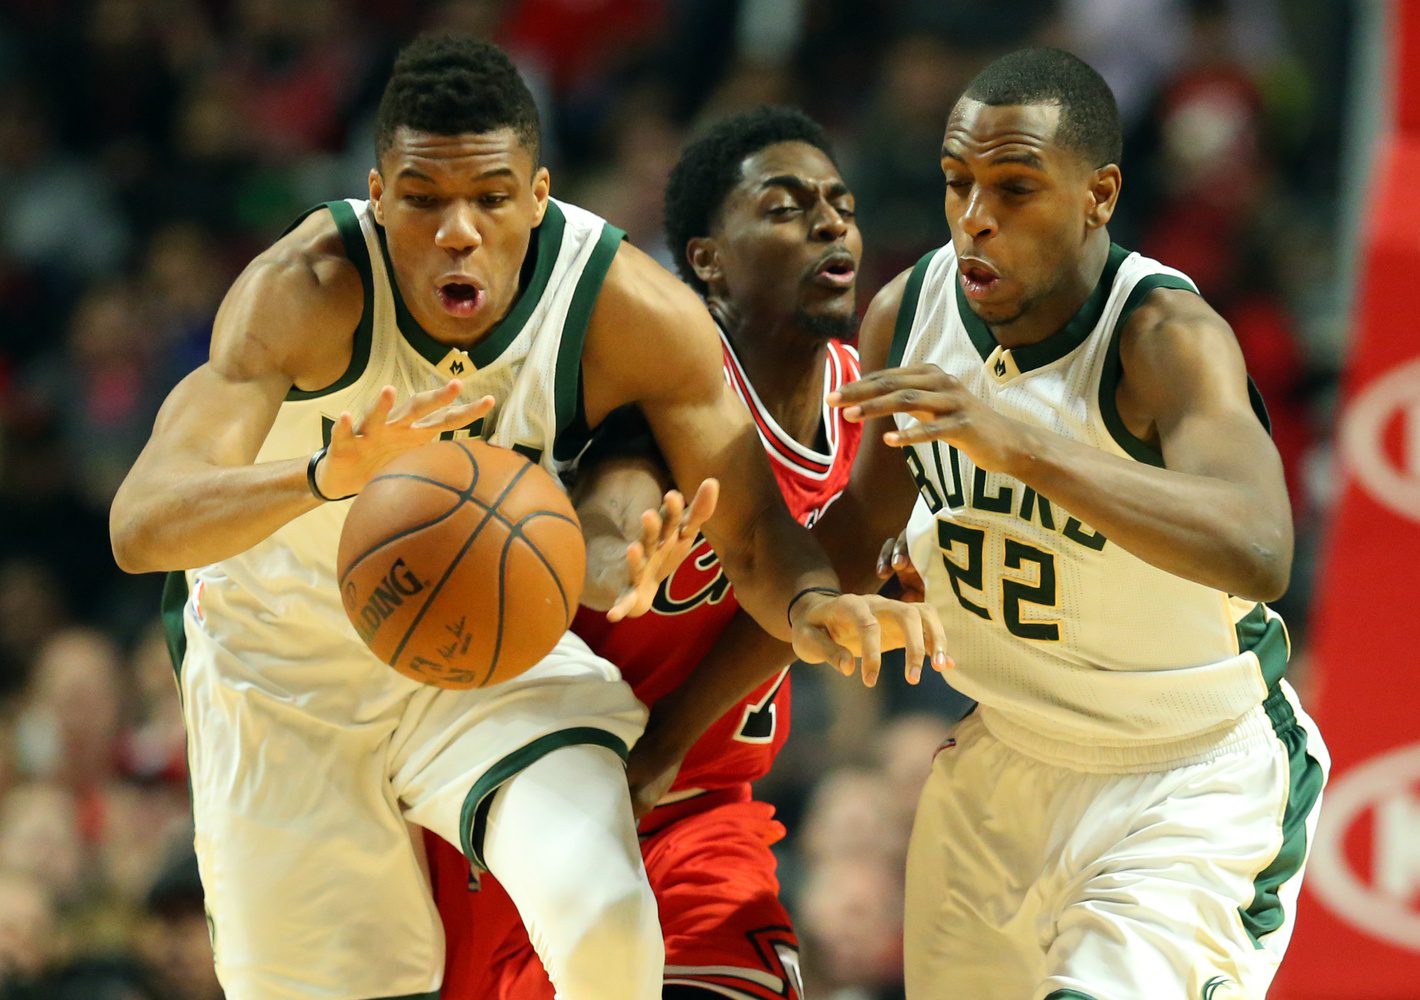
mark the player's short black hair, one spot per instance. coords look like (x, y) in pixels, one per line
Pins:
(449, 85)
(710, 167)
(1089, 116)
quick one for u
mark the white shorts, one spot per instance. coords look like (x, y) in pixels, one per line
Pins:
(313, 886)
(1027, 880)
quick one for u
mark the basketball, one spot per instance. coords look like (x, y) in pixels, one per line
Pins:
(461, 564)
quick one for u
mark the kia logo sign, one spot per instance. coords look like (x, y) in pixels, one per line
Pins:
(1366, 861)
(1380, 439)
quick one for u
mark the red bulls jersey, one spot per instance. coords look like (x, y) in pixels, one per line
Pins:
(657, 651)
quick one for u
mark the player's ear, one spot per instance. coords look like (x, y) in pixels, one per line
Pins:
(377, 193)
(1105, 183)
(541, 189)
(704, 258)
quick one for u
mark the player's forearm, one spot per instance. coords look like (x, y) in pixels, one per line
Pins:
(775, 559)
(1208, 530)
(742, 659)
(189, 515)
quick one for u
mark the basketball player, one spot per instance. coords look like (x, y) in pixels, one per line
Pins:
(368, 329)
(1099, 515)
(767, 235)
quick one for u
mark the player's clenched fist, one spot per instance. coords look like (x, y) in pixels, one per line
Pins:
(945, 411)
(358, 451)
(845, 630)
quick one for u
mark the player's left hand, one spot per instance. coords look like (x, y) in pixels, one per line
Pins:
(667, 536)
(852, 630)
(946, 411)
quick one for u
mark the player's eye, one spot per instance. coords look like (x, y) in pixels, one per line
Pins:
(420, 200)
(493, 200)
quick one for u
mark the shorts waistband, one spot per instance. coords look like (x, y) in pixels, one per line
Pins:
(1254, 729)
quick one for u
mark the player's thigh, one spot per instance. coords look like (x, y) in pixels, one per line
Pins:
(454, 749)
(1198, 899)
(312, 884)
(727, 933)
(970, 927)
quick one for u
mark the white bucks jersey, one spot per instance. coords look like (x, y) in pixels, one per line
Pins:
(280, 596)
(1074, 648)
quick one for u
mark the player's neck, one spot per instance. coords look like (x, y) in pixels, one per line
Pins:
(785, 366)
(1051, 312)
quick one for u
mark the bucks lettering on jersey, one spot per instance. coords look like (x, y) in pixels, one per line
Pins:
(1074, 648)
(280, 596)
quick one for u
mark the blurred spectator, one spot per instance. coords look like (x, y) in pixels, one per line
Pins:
(175, 942)
(850, 922)
(39, 837)
(27, 933)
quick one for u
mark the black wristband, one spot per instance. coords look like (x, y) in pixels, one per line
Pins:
(311, 477)
(789, 611)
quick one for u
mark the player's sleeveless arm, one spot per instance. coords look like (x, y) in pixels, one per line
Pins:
(193, 496)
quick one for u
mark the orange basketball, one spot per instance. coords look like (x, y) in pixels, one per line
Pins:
(461, 564)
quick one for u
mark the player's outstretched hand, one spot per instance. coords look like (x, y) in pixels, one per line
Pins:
(358, 450)
(894, 560)
(945, 410)
(849, 630)
(667, 536)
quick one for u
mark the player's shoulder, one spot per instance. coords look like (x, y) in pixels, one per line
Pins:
(311, 260)
(296, 305)
(1170, 323)
(639, 288)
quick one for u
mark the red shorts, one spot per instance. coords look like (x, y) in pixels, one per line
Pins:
(710, 866)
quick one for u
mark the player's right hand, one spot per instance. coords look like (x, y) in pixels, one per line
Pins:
(851, 630)
(358, 451)
(667, 536)
(894, 560)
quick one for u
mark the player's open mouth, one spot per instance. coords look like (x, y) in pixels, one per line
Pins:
(460, 298)
(836, 271)
(978, 281)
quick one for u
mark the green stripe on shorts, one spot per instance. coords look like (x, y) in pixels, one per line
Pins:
(474, 815)
(1264, 914)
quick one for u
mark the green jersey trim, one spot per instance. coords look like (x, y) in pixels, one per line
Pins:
(572, 432)
(171, 606)
(473, 817)
(1265, 636)
(1135, 447)
(1064, 340)
(542, 253)
(353, 239)
(1069, 995)
(907, 311)
(1265, 914)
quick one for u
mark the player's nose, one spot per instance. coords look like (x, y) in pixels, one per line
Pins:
(458, 230)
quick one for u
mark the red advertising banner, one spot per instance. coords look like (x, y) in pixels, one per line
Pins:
(1358, 930)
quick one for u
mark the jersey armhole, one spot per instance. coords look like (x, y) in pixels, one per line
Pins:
(569, 403)
(1113, 370)
(907, 310)
(353, 238)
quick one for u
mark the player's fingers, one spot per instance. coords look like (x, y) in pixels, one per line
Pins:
(936, 636)
(672, 509)
(886, 561)
(702, 506)
(652, 524)
(342, 434)
(889, 380)
(918, 401)
(422, 404)
(870, 641)
(378, 412)
(900, 559)
(454, 418)
(943, 429)
(913, 640)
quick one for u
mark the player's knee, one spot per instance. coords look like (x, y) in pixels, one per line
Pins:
(620, 925)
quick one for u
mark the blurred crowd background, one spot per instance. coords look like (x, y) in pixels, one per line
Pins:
(148, 148)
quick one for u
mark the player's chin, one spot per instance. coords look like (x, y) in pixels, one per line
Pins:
(829, 320)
